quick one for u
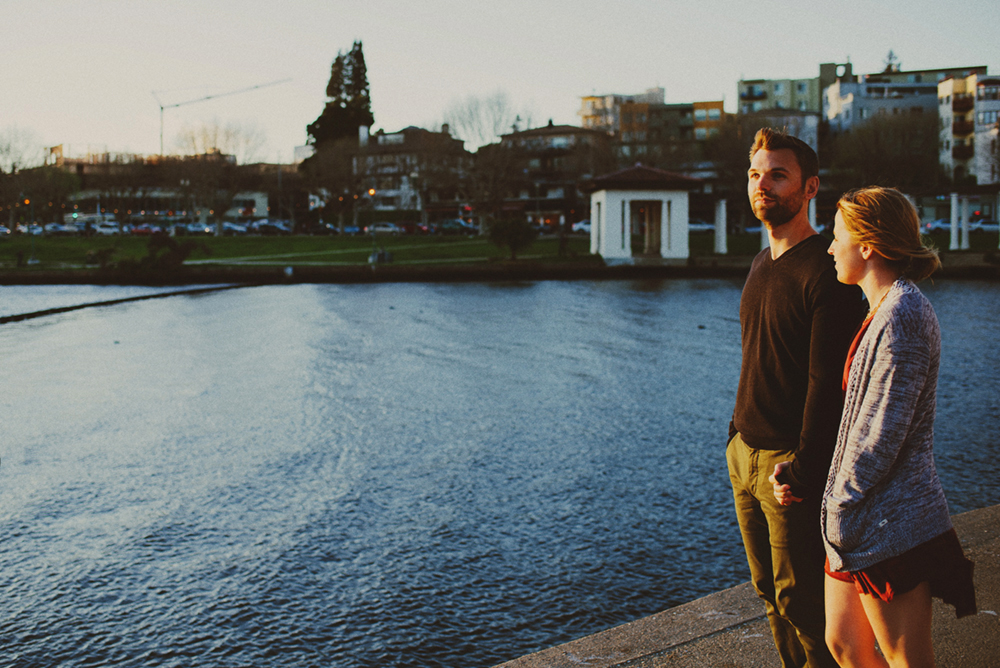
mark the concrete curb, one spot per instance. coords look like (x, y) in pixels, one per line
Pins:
(728, 629)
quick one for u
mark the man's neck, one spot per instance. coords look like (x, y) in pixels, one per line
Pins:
(784, 237)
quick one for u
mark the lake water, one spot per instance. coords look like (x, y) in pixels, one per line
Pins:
(389, 475)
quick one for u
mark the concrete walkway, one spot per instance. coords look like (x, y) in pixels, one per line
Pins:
(729, 630)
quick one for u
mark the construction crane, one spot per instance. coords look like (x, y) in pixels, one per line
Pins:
(203, 99)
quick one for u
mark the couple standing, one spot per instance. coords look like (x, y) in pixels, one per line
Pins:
(820, 383)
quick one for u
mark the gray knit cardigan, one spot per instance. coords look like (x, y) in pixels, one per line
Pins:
(883, 496)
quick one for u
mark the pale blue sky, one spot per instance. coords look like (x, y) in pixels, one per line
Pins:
(80, 73)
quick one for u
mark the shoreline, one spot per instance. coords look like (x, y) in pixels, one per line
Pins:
(955, 264)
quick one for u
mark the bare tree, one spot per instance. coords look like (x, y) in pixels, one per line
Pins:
(242, 141)
(480, 121)
(20, 150)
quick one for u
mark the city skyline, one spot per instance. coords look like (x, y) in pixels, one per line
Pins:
(84, 74)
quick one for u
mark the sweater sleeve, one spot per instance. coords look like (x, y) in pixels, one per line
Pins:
(837, 312)
(886, 395)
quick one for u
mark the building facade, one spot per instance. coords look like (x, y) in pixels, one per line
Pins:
(413, 172)
(968, 108)
(603, 112)
(551, 162)
(757, 95)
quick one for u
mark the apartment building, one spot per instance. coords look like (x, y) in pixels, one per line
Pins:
(666, 135)
(603, 112)
(848, 102)
(757, 95)
(968, 108)
(551, 162)
(413, 170)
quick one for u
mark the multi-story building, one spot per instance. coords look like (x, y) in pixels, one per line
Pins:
(796, 94)
(413, 171)
(603, 112)
(848, 102)
(666, 135)
(551, 163)
(968, 108)
(987, 119)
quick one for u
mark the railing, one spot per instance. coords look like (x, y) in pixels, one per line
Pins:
(960, 128)
(753, 95)
(962, 103)
(962, 152)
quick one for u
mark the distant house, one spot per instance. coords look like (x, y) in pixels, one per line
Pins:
(551, 161)
(414, 172)
(968, 108)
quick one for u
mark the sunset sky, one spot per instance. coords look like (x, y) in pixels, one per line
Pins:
(82, 73)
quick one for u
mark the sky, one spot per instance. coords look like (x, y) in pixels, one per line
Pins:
(88, 74)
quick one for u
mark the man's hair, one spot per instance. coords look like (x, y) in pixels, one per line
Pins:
(768, 139)
(885, 220)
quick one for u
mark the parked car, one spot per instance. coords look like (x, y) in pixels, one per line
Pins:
(698, 225)
(352, 229)
(60, 230)
(230, 229)
(939, 224)
(106, 229)
(322, 230)
(409, 227)
(581, 226)
(200, 229)
(382, 228)
(271, 228)
(146, 229)
(455, 226)
(984, 226)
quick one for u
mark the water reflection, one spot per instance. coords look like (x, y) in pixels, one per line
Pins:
(392, 475)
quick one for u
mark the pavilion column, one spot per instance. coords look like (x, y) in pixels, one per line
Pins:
(965, 224)
(953, 241)
(721, 239)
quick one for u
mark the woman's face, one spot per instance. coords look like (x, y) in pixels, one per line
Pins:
(846, 253)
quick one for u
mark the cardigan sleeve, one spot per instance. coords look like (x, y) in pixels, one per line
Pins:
(883, 393)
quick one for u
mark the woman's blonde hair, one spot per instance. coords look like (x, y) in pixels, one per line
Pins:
(885, 220)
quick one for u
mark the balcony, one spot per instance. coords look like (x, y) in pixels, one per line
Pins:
(961, 104)
(751, 94)
(962, 152)
(962, 128)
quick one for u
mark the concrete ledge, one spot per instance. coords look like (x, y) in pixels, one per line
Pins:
(729, 630)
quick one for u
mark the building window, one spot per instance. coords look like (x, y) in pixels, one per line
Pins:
(803, 105)
(700, 133)
(714, 114)
(802, 87)
(699, 114)
(779, 89)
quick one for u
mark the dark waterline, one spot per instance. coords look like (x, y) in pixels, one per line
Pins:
(392, 475)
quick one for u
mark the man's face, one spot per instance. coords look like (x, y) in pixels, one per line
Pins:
(775, 186)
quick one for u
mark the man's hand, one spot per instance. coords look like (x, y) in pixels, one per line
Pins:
(783, 493)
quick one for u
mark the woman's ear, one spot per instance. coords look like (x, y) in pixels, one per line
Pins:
(866, 252)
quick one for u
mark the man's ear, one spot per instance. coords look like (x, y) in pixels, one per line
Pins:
(812, 187)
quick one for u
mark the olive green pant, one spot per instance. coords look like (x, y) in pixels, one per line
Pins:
(785, 552)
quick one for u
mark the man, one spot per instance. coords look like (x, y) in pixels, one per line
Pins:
(797, 323)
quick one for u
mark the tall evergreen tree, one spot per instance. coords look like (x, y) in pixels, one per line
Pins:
(348, 105)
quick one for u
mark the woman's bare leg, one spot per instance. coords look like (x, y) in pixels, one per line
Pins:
(849, 634)
(903, 627)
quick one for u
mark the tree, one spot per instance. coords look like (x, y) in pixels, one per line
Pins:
(243, 142)
(348, 105)
(480, 121)
(900, 151)
(516, 235)
(334, 134)
(20, 150)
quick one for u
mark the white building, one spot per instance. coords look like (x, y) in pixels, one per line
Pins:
(640, 201)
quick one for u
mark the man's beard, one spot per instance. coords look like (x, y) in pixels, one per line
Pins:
(780, 211)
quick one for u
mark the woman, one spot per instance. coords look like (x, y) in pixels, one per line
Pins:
(889, 539)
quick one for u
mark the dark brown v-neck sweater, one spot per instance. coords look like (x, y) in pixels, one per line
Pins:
(797, 323)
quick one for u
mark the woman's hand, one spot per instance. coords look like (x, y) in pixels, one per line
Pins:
(783, 493)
